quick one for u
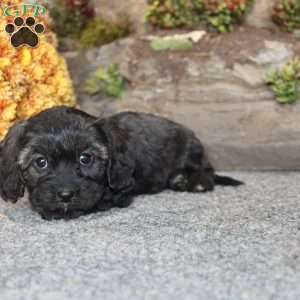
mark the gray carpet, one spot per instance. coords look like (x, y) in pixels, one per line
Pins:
(232, 244)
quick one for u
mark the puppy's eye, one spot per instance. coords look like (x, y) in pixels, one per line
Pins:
(41, 163)
(85, 159)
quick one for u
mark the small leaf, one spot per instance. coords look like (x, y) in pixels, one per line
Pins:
(161, 44)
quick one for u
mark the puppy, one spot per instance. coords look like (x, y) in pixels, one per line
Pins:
(73, 164)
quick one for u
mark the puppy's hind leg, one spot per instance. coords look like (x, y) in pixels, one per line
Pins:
(197, 175)
(179, 182)
(202, 182)
(192, 181)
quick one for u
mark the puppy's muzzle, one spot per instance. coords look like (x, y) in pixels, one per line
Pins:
(66, 194)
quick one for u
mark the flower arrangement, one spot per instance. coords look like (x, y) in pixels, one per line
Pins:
(286, 14)
(221, 14)
(31, 79)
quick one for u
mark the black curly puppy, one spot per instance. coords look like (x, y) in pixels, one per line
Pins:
(73, 164)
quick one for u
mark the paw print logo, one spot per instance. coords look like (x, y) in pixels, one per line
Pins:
(24, 32)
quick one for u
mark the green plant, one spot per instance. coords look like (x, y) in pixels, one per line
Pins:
(108, 81)
(99, 32)
(222, 15)
(75, 19)
(70, 17)
(286, 14)
(160, 44)
(174, 13)
(285, 82)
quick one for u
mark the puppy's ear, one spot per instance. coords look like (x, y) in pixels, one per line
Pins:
(120, 164)
(11, 182)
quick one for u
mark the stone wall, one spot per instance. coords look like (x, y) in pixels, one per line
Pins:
(113, 9)
(218, 89)
(261, 14)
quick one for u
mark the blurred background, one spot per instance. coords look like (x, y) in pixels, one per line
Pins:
(229, 69)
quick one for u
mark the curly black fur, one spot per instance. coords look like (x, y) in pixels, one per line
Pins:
(128, 154)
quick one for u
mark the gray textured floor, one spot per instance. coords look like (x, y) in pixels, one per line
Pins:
(232, 244)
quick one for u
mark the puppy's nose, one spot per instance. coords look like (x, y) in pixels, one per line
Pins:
(65, 195)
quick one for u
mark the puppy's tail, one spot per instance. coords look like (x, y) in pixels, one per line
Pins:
(227, 181)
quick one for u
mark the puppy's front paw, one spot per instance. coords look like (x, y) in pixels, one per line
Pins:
(58, 215)
(123, 202)
(46, 216)
(103, 206)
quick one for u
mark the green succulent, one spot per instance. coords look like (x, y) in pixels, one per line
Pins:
(108, 81)
(285, 82)
(286, 13)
